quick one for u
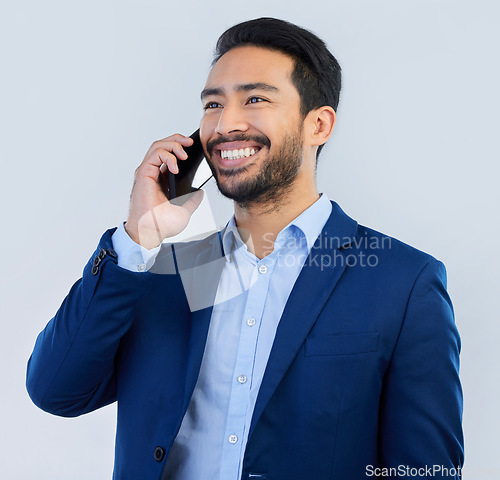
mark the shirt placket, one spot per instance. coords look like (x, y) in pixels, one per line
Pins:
(244, 366)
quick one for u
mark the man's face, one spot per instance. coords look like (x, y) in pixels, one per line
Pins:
(250, 104)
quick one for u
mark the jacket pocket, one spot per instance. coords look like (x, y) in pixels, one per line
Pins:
(349, 344)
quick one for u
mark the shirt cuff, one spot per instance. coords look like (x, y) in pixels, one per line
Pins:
(131, 255)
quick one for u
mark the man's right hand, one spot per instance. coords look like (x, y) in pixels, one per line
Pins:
(152, 218)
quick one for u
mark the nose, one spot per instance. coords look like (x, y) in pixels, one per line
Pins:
(231, 119)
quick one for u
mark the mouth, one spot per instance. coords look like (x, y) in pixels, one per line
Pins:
(231, 158)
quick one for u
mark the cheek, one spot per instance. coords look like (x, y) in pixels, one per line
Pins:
(258, 122)
(206, 131)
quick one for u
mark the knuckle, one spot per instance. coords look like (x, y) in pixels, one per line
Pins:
(140, 169)
(155, 147)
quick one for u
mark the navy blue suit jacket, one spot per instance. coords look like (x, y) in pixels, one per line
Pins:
(363, 372)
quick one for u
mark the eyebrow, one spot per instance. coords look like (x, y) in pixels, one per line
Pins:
(245, 87)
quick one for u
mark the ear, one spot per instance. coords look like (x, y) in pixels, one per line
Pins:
(319, 125)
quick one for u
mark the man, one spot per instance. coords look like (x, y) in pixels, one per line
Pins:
(295, 343)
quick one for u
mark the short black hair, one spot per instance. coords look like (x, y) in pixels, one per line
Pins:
(316, 74)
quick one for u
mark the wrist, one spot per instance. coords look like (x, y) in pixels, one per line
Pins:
(147, 241)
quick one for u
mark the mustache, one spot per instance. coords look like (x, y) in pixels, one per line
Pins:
(263, 140)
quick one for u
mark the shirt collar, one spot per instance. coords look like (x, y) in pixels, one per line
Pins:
(309, 224)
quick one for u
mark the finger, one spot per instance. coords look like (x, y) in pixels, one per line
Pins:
(174, 147)
(167, 161)
(181, 139)
(177, 137)
(179, 152)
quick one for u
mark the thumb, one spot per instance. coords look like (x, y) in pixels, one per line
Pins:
(193, 201)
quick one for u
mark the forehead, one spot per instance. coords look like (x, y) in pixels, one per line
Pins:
(251, 64)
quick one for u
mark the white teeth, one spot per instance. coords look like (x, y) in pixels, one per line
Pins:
(234, 154)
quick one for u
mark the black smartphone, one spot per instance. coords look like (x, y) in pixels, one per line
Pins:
(178, 184)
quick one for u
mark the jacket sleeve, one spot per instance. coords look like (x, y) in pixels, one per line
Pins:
(421, 403)
(71, 370)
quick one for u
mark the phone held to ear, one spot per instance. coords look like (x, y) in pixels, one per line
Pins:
(178, 184)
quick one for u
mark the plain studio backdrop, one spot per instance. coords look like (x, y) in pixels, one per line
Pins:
(86, 87)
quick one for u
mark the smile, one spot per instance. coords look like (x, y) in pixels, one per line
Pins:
(233, 158)
(241, 153)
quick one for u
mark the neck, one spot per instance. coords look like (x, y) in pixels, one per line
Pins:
(259, 224)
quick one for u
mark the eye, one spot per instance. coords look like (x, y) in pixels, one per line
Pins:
(208, 106)
(256, 98)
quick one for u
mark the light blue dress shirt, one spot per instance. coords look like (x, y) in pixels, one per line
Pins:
(250, 299)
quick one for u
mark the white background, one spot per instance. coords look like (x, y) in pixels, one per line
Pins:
(87, 87)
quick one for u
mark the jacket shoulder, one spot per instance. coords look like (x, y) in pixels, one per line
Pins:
(392, 254)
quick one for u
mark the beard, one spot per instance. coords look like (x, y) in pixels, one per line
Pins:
(273, 180)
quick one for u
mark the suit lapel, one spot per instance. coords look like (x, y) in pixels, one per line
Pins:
(315, 283)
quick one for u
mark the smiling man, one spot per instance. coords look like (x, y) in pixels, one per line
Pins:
(254, 88)
(321, 349)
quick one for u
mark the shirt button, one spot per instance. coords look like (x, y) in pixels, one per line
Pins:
(263, 269)
(242, 378)
(141, 267)
(233, 438)
(251, 322)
